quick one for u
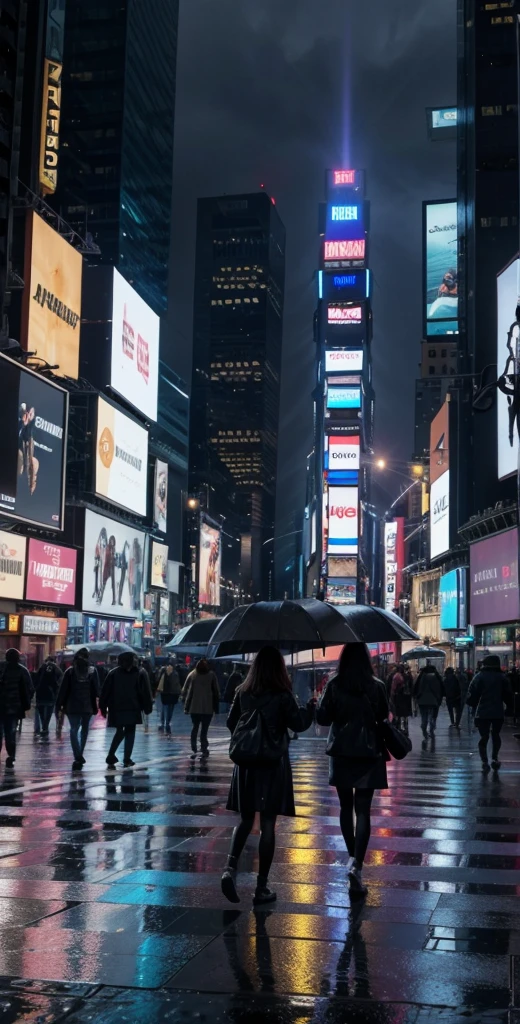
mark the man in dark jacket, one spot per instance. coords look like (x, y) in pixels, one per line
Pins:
(428, 693)
(46, 686)
(453, 696)
(489, 691)
(15, 700)
(235, 680)
(169, 688)
(126, 694)
(77, 696)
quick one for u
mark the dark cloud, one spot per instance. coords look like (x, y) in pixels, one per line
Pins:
(265, 90)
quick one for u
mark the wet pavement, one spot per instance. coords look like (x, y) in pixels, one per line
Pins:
(110, 904)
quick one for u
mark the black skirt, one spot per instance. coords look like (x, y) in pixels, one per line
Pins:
(268, 790)
(358, 772)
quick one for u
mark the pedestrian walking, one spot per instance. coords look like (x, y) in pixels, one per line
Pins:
(355, 705)
(234, 681)
(401, 699)
(201, 696)
(489, 692)
(263, 710)
(452, 691)
(46, 686)
(77, 697)
(125, 697)
(15, 700)
(169, 688)
(428, 693)
(410, 682)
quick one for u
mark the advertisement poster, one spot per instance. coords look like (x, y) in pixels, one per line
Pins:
(209, 565)
(121, 459)
(344, 452)
(343, 398)
(51, 573)
(440, 483)
(343, 521)
(441, 285)
(344, 314)
(52, 314)
(160, 501)
(452, 594)
(12, 565)
(341, 566)
(493, 569)
(508, 354)
(112, 567)
(344, 360)
(33, 427)
(159, 565)
(394, 562)
(341, 590)
(135, 348)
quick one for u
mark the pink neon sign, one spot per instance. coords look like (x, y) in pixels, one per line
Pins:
(344, 314)
(346, 250)
(344, 177)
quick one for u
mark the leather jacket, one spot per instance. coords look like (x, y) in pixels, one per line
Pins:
(338, 705)
(279, 710)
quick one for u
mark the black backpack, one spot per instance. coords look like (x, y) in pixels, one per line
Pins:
(252, 744)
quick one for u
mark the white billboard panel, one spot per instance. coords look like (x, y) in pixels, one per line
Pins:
(135, 348)
(343, 521)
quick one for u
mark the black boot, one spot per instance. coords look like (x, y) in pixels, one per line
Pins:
(229, 879)
(262, 893)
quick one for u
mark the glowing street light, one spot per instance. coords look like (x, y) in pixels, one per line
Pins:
(381, 463)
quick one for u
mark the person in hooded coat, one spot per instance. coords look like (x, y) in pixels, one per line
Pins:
(489, 692)
(15, 700)
(46, 687)
(126, 694)
(77, 697)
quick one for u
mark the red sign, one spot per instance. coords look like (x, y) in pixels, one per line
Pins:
(51, 573)
(143, 357)
(344, 314)
(347, 250)
(344, 177)
(343, 511)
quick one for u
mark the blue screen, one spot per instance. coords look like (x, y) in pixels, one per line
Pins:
(452, 593)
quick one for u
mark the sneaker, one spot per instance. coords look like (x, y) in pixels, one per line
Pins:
(129, 763)
(495, 765)
(111, 759)
(9, 762)
(228, 885)
(356, 880)
(263, 895)
(485, 766)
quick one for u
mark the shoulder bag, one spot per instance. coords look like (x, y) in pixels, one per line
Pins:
(357, 737)
(252, 745)
(397, 743)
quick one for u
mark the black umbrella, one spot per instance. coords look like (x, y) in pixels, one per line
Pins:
(198, 633)
(288, 625)
(375, 625)
(430, 653)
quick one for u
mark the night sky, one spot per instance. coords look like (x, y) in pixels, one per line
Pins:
(275, 91)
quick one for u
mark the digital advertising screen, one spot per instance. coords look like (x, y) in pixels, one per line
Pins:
(347, 285)
(345, 314)
(440, 515)
(345, 221)
(113, 567)
(52, 297)
(444, 117)
(493, 570)
(135, 348)
(344, 250)
(453, 599)
(343, 452)
(346, 181)
(33, 427)
(394, 562)
(12, 565)
(51, 573)
(344, 360)
(121, 458)
(160, 495)
(441, 268)
(209, 565)
(341, 590)
(343, 398)
(508, 350)
(342, 566)
(159, 565)
(343, 521)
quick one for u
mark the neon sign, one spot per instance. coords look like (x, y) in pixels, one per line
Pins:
(345, 280)
(344, 177)
(344, 212)
(344, 314)
(345, 250)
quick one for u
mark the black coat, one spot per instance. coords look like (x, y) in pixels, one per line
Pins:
(337, 707)
(489, 691)
(451, 686)
(125, 695)
(269, 790)
(78, 690)
(47, 684)
(15, 689)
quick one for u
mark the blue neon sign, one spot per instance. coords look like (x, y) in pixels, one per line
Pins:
(344, 213)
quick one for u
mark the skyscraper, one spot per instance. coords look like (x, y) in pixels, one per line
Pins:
(237, 353)
(116, 139)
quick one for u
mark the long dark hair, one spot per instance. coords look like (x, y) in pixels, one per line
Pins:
(203, 667)
(267, 673)
(354, 668)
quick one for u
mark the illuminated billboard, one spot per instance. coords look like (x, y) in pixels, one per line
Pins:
(135, 348)
(159, 565)
(507, 429)
(112, 567)
(51, 573)
(440, 534)
(343, 452)
(453, 599)
(344, 250)
(345, 221)
(33, 427)
(344, 314)
(52, 297)
(494, 579)
(444, 117)
(343, 521)
(341, 590)
(394, 563)
(345, 181)
(12, 565)
(440, 267)
(121, 460)
(343, 398)
(160, 499)
(344, 360)
(209, 565)
(341, 566)
(50, 125)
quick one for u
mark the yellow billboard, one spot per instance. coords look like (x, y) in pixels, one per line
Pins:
(50, 129)
(52, 301)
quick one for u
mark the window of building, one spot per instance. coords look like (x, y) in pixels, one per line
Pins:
(491, 111)
(431, 371)
(443, 353)
(432, 353)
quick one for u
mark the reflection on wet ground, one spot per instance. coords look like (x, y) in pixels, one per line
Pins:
(110, 905)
